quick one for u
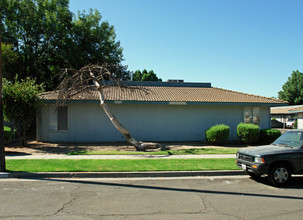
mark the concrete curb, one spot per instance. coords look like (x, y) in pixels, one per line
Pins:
(4, 175)
(42, 175)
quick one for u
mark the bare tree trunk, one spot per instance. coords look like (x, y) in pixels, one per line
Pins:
(117, 124)
(2, 149)
(20, 134)
(140, 146)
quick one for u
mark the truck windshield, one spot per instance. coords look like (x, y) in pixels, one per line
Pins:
(291, 139)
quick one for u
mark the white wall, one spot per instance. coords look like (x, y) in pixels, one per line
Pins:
(300, 120)
(146, 122)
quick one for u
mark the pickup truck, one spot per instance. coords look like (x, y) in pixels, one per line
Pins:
(278, 160)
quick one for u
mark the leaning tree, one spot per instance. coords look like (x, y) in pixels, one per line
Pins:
(97, 78)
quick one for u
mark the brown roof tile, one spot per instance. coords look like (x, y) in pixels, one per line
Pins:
(285, 110)
(297, 109)
(170, 94)
(279, 110)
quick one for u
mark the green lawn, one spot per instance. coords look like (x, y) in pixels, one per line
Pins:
(168, 152)
(119, 165)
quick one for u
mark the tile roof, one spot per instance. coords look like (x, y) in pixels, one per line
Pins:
(299, 109)
(279, 111)
(286, 110)
(188, 94)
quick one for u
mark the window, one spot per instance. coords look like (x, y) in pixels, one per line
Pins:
(252, 115)
(62, 118)
(52, 118)
(57, 118)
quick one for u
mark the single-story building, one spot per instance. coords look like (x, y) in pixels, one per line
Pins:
(299, 112)
(161, 111)
(283, 113)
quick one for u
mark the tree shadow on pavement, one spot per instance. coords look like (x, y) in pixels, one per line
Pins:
(178, 189)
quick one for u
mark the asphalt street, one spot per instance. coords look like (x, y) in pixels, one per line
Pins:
(237, 197)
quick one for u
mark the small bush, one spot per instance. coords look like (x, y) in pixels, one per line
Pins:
(8, 134)
(248, 133)
(268, 136)
(217, 134)
(295, 125)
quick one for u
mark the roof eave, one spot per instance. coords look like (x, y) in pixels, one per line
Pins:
(170, 102)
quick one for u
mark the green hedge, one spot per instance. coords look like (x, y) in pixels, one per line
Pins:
(248, 133)
(8, 134)
(217, 134)
(268, 136)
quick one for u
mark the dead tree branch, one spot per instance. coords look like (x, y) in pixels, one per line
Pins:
(74, 82)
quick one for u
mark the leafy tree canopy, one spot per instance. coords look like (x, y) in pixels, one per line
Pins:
(46, 36)
(145, 76)
(10, 60)
(292, 90)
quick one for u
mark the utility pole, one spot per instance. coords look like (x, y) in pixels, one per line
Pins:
(2, 149)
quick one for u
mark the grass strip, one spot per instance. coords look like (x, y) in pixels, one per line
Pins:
(196, 151)
(86, 165)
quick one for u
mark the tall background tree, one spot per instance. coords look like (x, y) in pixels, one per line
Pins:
(145, 76)
(292, 90)
(45, 36)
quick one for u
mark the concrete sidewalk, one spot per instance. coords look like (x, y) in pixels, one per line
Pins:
(118, 157)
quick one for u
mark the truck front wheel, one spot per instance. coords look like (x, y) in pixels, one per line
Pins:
(279, 175)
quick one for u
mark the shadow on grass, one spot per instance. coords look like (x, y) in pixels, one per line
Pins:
(195, 151)
(13, 154)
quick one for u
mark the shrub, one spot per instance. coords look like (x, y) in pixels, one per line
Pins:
(8, 134)
(268, 136)
(295, 125)
(217, 134)
(248, 133)
(20, 99)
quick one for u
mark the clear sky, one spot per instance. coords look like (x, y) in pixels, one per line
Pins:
(249, 46)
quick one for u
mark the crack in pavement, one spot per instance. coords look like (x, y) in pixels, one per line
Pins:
(68, 202)
(209, 208)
